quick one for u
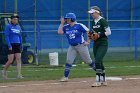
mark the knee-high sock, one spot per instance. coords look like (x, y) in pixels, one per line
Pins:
(103, 76)
(98, 75)
(67, 69)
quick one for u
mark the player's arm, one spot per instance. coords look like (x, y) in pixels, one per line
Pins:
(7, 32)
(20, 37)
(107, 29)
(85, 30)
(60, 29)
(106, 33)
(88, 39)
(87, 42)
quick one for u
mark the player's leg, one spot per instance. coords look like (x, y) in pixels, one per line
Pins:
(103, 76)
(100, 71)
(95, 48)
(8, 63)
(101, 53)
(84, 53)
(71, 54)
(18, 60)
(103, 73)
(17, 51)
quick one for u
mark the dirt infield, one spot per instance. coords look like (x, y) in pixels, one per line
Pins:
(77, 85)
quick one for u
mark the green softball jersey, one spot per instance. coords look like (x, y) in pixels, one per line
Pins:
(99, 27)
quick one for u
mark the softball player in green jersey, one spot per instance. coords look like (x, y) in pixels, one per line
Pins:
(100, 26)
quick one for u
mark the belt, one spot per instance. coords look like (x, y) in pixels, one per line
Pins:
(76, 44)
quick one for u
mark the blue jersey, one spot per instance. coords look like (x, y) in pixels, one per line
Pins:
(75, 33)
(13, 34)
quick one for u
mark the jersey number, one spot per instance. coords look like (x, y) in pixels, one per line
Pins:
(72, 36)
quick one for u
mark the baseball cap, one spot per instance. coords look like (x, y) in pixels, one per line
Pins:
(93, 11)
(14, 16)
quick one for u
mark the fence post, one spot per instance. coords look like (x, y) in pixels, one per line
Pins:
(135, 46)
(35, 36)
(62, 38)
(15, 6)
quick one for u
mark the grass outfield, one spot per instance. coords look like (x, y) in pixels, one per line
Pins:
(110, 57)
(44, 72)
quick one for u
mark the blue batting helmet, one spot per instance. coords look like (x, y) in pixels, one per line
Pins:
(72, 16)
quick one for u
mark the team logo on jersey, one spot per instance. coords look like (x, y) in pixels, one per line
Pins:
(97, 26)
(73, 31)
(15, 30)
(71, 34)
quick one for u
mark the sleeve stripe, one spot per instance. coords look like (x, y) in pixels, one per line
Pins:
(108, 31)
(84, 27)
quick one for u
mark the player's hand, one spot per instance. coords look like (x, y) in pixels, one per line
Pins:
(62, 20)
(86, 43)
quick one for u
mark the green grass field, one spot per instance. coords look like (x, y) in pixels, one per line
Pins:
(45, 72)
(117, 64)
(110, 57)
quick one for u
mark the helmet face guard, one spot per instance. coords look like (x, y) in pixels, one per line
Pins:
(71, 16)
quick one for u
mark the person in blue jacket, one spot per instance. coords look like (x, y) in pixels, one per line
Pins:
(14, 41)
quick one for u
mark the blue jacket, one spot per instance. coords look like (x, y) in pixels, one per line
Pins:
(13, 34)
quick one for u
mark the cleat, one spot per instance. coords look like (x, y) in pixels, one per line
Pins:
(20, 77)
(96, 84)
(64, 79)
(4, 74)
(104, 83)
